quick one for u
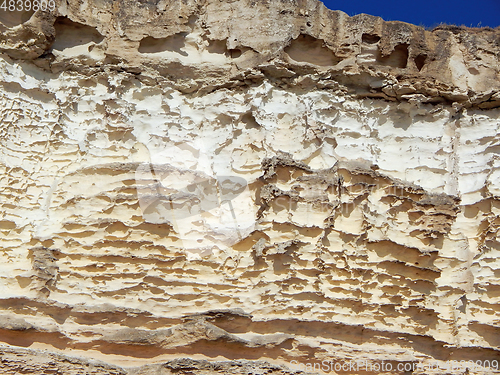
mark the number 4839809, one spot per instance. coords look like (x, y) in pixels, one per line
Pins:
(27, 5)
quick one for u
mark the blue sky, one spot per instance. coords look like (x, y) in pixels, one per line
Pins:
(425, 12)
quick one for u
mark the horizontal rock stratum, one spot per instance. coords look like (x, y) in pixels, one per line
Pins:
(246, 187)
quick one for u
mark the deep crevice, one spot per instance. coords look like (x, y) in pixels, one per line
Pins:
(307, 49)
(397, 59)
(174, 43)
(420, 61)
(370, 38)
(71, 34)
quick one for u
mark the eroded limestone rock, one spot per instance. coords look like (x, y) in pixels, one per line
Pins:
(230, 186)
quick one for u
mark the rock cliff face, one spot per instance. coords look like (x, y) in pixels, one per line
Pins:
(247, 187)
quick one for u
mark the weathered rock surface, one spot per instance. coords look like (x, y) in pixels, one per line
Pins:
(246, 182)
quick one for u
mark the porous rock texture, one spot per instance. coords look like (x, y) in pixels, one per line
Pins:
(227, 186)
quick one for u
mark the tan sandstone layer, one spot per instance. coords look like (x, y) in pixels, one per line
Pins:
(228, 186)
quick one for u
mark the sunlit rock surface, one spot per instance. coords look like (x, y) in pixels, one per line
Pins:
(246, 187)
